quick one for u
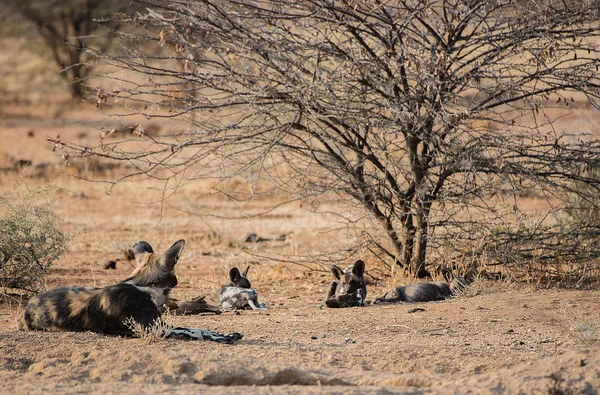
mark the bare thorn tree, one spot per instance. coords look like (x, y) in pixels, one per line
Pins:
(434, 116)
(64, 25)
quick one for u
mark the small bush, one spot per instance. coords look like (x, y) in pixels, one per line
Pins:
(30, 240)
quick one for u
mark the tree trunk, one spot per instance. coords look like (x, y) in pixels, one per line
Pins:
(420, 252)
(419, 235)
(76, 76)
(398, 245)
(409, 240)
(418, 262)
(76, 89)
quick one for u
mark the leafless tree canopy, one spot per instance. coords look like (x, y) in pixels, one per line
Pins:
(433, 115)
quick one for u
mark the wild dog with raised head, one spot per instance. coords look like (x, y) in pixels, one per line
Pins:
(350, 288)
(106, 310)
(238, 294)
(426, 292)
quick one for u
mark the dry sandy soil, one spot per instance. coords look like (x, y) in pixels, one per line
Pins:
(498, 338)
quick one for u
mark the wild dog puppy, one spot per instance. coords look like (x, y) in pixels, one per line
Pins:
(238, 294)
(350, 288)
(426, 292)
(105, 310)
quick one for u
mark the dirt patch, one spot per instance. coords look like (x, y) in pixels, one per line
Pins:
(517, 341)
(495, 339)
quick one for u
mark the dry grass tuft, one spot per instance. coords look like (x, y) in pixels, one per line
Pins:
(149, 334)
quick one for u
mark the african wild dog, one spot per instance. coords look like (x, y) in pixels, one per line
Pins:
(350, 288)
(105, 310)
(238, 294)
(426, 292)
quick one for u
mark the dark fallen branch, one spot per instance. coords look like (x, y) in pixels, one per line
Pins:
(195, 306)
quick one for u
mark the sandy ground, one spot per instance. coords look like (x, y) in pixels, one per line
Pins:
(498, 343)
(498, 338)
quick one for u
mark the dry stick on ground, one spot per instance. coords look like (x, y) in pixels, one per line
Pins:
(432, 117)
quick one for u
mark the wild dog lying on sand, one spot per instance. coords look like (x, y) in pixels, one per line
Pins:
(238, 294)
(105, 310)
(425, 292)
(350, 288)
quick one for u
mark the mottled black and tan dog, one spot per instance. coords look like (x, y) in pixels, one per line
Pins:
(238, 294)
(426, 292)
(350, 288)
(139, 298)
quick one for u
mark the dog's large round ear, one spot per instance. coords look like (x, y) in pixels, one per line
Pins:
(234, 274)
(337, 272)
(447, 274)
(172, 255)
(140, 249)
(245, 272)
(359, 268)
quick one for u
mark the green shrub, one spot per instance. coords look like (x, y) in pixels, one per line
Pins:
(30, 241)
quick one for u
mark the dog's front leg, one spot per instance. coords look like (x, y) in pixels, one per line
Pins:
(332, 289)
(254, 306)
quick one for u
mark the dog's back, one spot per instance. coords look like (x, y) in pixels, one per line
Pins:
(106, 309)
(238, 294)
(80, 309)
(236, 298)
(426, 292)
(423, 292)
